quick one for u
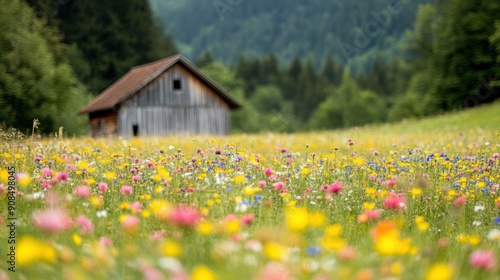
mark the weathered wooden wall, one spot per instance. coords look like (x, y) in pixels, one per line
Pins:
(158, 109)
(109, 120)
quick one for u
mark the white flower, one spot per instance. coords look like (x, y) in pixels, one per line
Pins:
(171, 147)
(476, 223)
(494, 234)
(38, 195)
(478, 208)
(170, 264)
(102, 214)
(241, 207)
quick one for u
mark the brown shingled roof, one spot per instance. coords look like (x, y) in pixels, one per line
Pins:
(139, 76)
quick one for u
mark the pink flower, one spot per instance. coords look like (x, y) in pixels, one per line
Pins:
(390, 183)
(185, 216)
(136, 207)
(51, 220)
(459, 201)
(278, 186)
(136, 178)
(496, 155)
(151, 273)
(46, 172)
(157, 235)
(126, 190)
(269, 171)
(335, 187)
(247, 218)
(82, 191)
(102, 187)
(274, 271)
(373, 177)
(105, 241)
(85, 224)
(483, 260)
(395, 201)
(347, 254)
(2, 189)
(130, 223)
(262, 184)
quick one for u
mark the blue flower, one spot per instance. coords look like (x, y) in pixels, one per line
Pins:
(313, 250)
(496, 221)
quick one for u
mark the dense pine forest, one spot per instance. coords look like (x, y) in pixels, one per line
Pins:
(294, 65)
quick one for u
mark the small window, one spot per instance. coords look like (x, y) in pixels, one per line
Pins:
(135, 129)
(177, 84)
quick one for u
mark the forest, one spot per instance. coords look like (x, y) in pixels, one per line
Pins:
(295, 65)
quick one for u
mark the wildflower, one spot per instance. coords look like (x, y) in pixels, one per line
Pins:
(23, 179)
(130, 223)
(126, 190)
(496, 221)
(368, 216)
(82, 191)
(316, 219)
(85, 224)
(439, 271)
(274, 271)
(51, 220)
(102, 187)
(459, 201)
(494, 234)
(334, 188)
(171, 248)
(105, 241)
(203, 273)
(482, 259)
(185, 216)
(47, 172)
(262, 184)
(297, 219)
(274, 251)
(278, 186)
(30, 250)
(347, 253)
(478, 208)
(395, 201)
(247, 219)
(269, 171)
(332, 240)
(204, 228)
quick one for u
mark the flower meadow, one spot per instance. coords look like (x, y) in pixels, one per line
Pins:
(352, 204)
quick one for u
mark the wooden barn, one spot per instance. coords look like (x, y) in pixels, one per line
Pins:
(166, 97)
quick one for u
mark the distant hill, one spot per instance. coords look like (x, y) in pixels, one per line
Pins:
(355, 32)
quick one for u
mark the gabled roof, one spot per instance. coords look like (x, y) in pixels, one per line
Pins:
(140, 76)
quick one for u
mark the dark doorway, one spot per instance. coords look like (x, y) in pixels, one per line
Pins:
(135, 129)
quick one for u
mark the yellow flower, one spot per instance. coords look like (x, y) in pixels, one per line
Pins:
(171, 248)
(317, 219)
(274, 251)
(232, 227)
(297, 219)
(96, 201)
(30, 251)
(304, 171)
(332, 241)
(203, 273)
(416, 192)
(77, 239)
(204, 228)
(439, 271)
(368, 205)
(239, 178)
(23, 179)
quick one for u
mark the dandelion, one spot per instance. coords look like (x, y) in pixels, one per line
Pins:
(482, 260)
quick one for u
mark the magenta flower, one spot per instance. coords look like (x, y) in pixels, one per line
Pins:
(247, 218)
(262, 184)
(482, 260)
(82, 191)
(335, 187)
(51, 220)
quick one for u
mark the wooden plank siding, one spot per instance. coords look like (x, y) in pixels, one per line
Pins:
(103, 123)
(158, 109)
